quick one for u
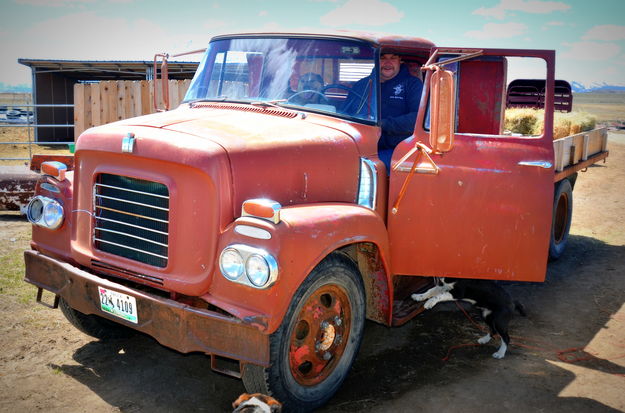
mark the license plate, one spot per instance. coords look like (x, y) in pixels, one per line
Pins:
(118, 304)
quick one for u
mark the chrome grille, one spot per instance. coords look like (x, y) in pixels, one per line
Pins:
(132, 218)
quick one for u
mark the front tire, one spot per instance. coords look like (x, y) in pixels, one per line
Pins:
(313, 349)
(561, 220)
(93, 325)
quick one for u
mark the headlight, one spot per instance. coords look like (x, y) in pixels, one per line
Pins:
(260, 267)
(231, 263)
(53, 215)
(45, 212)
(257, 270)
(34, 211)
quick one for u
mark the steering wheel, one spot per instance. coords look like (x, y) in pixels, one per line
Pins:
(301, 92)
(361, 99)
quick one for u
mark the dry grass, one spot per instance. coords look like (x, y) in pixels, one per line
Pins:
(607, 107)
(16, 150)
(14, 99)
(530, 122)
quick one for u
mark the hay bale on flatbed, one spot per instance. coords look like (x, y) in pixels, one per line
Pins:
(530, 122)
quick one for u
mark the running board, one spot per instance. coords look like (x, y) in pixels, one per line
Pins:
(404, 307)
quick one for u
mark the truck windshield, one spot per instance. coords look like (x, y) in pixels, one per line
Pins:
(337, 77)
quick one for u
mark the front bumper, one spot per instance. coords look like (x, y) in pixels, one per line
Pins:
(175, 325)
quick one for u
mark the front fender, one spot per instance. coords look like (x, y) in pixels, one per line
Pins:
(304, 237)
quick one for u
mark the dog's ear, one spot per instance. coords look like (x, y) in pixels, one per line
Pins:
(238, 401)
(241, 399)
(274, 405)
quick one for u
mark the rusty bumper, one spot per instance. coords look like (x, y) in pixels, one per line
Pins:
(17, 187)
(175, 325)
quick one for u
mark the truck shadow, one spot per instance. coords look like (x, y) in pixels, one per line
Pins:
(582, 292)
(579, 297)
(138, 374)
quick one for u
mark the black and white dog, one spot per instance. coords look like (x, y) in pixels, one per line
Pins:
(496, 304)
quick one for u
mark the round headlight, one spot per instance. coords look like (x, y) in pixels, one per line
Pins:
(231, 263)
(257, 270)
(53, 215)
(35, 210)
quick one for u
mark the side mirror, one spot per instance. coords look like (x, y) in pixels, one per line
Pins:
(442, 106)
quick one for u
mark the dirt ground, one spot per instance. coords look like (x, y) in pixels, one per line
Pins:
(568, 353)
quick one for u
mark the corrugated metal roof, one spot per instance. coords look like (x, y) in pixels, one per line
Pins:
(107, 69)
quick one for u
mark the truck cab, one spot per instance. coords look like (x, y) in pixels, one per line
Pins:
(256, 222)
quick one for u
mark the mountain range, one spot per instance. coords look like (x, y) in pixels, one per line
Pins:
(596, 87)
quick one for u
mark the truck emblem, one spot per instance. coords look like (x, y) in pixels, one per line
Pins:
(128, 143)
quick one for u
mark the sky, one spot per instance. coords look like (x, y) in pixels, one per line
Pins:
(588, 36)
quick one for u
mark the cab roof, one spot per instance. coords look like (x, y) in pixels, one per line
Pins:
(390, 43)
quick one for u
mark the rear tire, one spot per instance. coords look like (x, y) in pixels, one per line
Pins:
(93, 325)
(561, 220)
(313, 349)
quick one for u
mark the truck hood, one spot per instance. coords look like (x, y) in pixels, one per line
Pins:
(274, 153)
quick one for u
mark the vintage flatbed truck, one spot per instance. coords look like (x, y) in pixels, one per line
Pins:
(262, 229)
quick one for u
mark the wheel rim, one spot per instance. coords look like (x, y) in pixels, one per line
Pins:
(562, 211)
(319, 335)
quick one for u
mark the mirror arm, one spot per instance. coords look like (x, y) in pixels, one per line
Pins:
(164, 81)
(429, 65)
(424, 151)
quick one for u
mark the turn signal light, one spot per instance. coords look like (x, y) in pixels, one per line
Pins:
(54, 169)
(262, 208)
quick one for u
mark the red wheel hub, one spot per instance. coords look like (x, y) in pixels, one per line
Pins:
(319, 336)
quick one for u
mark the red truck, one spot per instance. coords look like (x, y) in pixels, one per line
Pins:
(256, 224)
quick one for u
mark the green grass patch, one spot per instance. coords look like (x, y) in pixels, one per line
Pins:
(12, 277)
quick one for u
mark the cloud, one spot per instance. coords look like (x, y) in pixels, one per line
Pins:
(590, 51)
(263, 13)
(362, 12)
(272, 27)
(53, 3)
(498, 31)
(105, 38)
(608, 32)
(214, 24)
(552, 24)
(527, 6)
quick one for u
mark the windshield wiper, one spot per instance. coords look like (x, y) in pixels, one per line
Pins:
(215, 99)
(267, 103)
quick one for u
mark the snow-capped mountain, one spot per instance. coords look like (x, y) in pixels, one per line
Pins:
(596, 87)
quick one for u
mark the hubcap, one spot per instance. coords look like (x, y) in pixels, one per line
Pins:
(319, 335)
(562, 211)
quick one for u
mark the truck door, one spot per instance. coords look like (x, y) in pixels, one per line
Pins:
(487, 212)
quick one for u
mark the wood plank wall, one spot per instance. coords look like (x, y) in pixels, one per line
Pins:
(109, 101)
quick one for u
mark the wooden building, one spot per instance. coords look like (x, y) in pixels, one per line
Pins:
(54, 83)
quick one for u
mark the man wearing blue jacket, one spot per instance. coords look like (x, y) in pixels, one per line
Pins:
(400, 96)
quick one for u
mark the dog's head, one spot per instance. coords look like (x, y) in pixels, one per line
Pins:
(256, 403)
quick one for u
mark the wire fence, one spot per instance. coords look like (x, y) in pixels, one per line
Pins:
(20, 116)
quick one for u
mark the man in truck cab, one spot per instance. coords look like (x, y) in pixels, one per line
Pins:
(400, 96)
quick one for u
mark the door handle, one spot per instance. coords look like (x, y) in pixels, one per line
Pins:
(540, 164)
